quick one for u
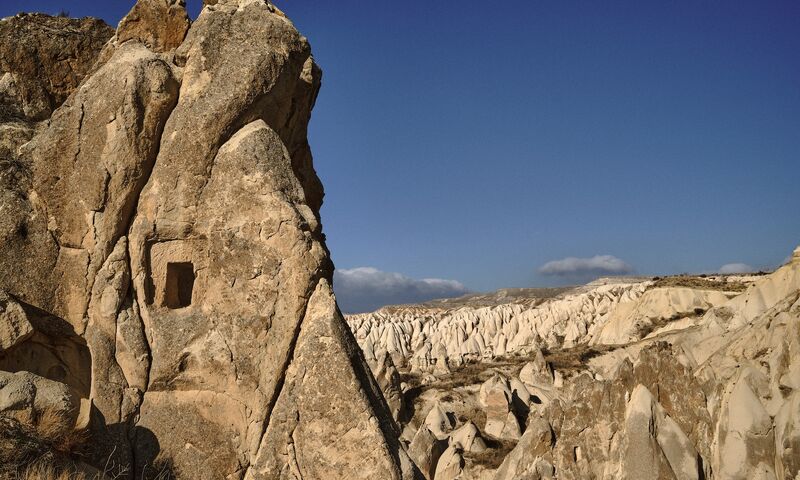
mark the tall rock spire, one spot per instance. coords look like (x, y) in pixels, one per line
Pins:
(178, 187)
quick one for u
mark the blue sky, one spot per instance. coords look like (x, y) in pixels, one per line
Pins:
(475, 142)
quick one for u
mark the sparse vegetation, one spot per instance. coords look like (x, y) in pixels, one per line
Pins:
(655, 324)
(699, 283)
(493, 456)
(43, 452)
(574, 359)
(50, 451)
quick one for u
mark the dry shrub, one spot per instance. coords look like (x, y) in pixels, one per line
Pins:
(698, 283)
(57, 429)
(44, 470)
(41, 452)
(493, 456)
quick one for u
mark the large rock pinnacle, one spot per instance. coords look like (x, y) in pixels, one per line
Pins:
(172, 214)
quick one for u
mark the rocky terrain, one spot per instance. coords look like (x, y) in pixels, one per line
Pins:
(165, 288)
(689, 377)
(166, 307)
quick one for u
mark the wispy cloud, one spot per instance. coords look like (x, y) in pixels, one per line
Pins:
(584, 267)
(366, 289)
(736, 268)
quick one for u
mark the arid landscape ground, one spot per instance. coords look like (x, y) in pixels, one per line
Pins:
(167, 309)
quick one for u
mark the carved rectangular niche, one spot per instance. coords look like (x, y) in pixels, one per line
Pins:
(174, 268)
(179, 285)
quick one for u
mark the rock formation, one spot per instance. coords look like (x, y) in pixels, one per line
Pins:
(497, 399)
(165, 220)
(681, 377)
(428, 337)
(166, 288)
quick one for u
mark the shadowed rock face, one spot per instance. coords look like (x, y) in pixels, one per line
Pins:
(43, 59)
(171, 218)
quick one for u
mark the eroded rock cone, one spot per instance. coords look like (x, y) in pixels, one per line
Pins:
(425, 449)
(174, 211)
(468, 437)
(388, 379)
(497, 397)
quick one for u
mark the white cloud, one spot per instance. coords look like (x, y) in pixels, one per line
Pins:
(736, 268)
(583, 267)
(366, 289)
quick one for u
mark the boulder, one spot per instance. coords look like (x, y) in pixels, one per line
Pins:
(654, 446)
(43, 59)
(440, 357)
(160, 25)
(527, 459)
(14, 325)
(537, 373)
(33, 400)
(439, 421)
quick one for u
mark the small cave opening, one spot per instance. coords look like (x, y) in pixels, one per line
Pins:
(179, 285)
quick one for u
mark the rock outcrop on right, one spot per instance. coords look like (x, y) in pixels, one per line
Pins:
(686, 377)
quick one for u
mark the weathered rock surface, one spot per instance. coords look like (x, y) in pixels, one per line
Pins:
(14, 325)
(684, 377)
(468, 437)
(432, 338)
(425, 450)
(450, 464)
(166, 219)
(27, 397)
(531, 458)
(388, 379)
(43, 59)
(496, 397)
(160, 25)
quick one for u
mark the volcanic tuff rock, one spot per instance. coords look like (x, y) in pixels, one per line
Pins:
(676, 378)
(43, 59)
(166, 221)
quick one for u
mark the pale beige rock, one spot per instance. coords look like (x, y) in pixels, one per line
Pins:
(496, 397)
(389, 381)
(527, 459)
(174, 215)
(450, 464)
(468, 437)
(654, 446)
(161, 25)
(507, 325)
(537, 373)
(439, 422)
(746, 436)
(26, 397)
(711, 395)
(631, 321)
(425, 450)
(14, 325)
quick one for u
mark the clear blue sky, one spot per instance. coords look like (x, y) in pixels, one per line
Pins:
(476, 141)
